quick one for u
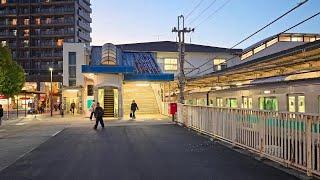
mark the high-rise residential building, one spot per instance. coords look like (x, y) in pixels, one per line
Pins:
(35, 31)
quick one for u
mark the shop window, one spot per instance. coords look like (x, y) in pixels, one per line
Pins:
(14, 32)
(170, 64)
(219, 102)
(26, 43)
(268, 103)
(26, 32)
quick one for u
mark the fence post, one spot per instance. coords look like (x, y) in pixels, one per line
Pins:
(262, 122)
(309, 145)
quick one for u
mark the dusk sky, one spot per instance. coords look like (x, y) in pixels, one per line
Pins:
(130, 21)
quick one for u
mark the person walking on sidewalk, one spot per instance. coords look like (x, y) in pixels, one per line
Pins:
(93, 106)
(1, 114)
(98, 114)
(133, 108)
(73, 105)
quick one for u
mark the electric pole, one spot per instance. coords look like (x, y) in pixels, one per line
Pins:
(181, 30)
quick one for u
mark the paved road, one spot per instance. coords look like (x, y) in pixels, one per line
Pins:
(136, 152)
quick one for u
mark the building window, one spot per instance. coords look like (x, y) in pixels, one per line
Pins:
(285, 38)
(3, 43)
(259, 48)
(72, 71)
(246, 55)
(268, 103)
(26, 32)
(72, 58)
(272, 42)
(26, 21)
(26, 43)
(297, 38)
(38, 21)
(72, 82)
(14, 32)
(232, 103)
(60, 42)
(14, 22)
(3, 1)
(170, 64)
(219, 64)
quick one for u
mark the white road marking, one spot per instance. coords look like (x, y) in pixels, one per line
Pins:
(2, 130)
(56, 133)
(20, 124)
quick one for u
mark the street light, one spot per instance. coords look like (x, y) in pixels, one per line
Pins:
(51, 69)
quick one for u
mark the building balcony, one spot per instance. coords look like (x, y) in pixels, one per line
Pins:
(84, 36)
(85, 16)
(84, 5)
(84, 26)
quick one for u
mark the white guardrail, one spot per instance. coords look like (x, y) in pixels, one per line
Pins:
(292, 139)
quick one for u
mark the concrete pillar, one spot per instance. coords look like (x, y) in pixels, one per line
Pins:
(120, 102)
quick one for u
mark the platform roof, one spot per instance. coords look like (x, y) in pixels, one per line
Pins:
(298, 60)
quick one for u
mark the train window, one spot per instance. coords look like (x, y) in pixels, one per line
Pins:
(292, 103)
(301, 104)
(232, 102)
(268, 103)
(246, 102)
(219, 102)
(210, 102)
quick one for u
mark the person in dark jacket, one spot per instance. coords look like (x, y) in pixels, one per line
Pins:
(98, 114)
(133, 108)
(1, 114)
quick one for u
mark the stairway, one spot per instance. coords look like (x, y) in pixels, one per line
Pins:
(144, 97)
(109, 103)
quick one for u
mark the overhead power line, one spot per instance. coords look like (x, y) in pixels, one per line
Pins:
(194, 9)
(213, 13)
(203, 11)
(297, 6)
(294, 26)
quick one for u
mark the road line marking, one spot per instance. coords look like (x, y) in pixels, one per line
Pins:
(56, 133)
(2, 130)
(20, 124)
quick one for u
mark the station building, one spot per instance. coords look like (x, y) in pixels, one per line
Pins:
(114, 75)
(279, 73)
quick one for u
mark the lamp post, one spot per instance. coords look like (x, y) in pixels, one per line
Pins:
(51, 69)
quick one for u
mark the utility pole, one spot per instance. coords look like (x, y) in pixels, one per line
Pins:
(181, 30)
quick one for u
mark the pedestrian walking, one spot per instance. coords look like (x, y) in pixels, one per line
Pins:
(1, 114)
(73, 105)
(133, 108)
(93, 106)
(98, 114)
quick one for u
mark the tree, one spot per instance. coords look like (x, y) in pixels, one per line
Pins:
(12, 76)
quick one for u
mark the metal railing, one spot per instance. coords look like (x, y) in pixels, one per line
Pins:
(292, 139)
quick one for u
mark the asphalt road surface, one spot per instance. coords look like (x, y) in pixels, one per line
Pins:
(136, 152)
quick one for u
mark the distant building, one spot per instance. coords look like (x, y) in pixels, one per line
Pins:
(35, 31)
